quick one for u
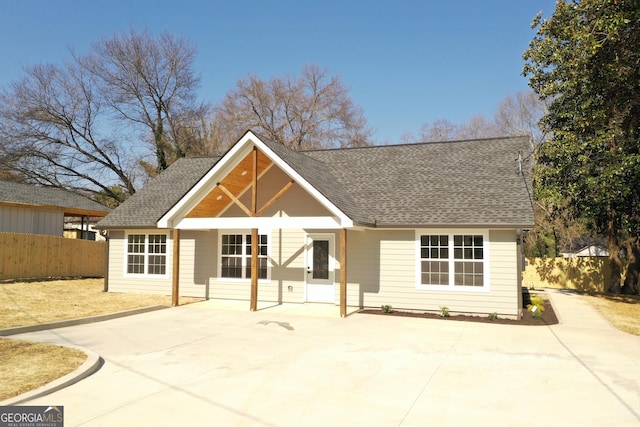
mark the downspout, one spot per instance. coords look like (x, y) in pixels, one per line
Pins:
(520, 268)
(106, 264)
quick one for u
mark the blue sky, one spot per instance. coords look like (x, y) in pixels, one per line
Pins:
(405, 62)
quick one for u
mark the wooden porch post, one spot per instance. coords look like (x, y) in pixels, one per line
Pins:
(254, 235)
(343, 272)
(254, 269)
(175, 291)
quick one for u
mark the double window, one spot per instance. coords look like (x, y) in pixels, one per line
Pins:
(452, 260)
(147, 254)
(235, 256)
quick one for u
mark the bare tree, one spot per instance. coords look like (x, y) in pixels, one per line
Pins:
(150, 82)
(517, 114)
(49, 122)
(310, 111)
(521, 114)
(439, 130)
(64, 125)
(444, 130)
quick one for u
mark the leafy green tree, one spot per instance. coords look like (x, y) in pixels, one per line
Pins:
(585, 59)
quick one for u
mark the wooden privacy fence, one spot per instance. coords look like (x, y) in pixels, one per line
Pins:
(30, 256)
(581, 273)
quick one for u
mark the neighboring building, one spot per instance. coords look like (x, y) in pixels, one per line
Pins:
(42, 210)
(585, 247)
(424, 226)
(82, 227)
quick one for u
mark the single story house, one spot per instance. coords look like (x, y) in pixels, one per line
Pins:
(30, 209)
(415, 226)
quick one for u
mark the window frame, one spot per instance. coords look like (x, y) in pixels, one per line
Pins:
(451, 286)
(244, 257)
(146, 254)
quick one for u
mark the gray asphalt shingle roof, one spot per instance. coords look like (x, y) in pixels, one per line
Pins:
(455, 183)
(461, 183)
(147, 205)
(13, 192)
(315, 172)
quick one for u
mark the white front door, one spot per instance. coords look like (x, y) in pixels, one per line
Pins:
(320, 268)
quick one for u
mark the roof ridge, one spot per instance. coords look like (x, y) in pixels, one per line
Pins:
(203, 156)
(412, 144)
(268, 141)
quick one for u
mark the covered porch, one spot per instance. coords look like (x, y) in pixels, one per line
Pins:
(251, 195)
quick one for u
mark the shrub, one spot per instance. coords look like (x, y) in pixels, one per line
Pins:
(536, 307)
(444, 311)
(386, 308)
(493, 316)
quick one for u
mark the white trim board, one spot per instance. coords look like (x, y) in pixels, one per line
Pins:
(305, 222)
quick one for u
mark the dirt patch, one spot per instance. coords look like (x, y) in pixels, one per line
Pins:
(548, 315)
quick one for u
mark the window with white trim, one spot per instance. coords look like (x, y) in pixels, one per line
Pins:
(147, 254)
(434, 259)
(468, 255)
(452, 260)
(235, 256)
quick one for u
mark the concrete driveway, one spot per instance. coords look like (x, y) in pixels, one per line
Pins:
(211, 364)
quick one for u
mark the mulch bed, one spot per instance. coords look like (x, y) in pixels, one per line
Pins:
(548, 315)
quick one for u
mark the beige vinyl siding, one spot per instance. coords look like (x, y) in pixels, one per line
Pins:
(504, 271)
(382, 269)
(32, 220)
(197, 262)
(289, 269)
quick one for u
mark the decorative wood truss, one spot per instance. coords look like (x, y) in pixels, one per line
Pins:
(244, 176)
(229, 190)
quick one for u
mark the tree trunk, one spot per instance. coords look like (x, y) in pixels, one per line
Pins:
(614, 255)
(556, 251)
(632, 276)
(159, 137)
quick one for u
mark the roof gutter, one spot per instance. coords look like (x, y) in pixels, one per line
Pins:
(458, 225)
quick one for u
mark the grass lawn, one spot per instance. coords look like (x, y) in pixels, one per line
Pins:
(26, 365)
(32, 303)
(622, 311)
